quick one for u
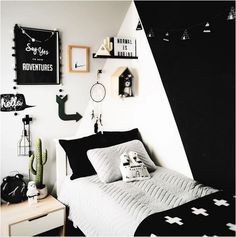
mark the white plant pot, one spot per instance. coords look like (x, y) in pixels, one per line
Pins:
(43, 192)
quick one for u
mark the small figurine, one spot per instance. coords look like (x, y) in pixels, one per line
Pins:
(128, 87)
(32, 193)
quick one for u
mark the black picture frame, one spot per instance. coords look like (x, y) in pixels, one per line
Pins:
(37, 54)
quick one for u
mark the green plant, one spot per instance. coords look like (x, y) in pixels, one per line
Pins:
(41, 159)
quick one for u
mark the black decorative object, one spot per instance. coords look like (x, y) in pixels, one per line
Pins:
(61, 110)
(123, 82)
(96, 126)
(37, 55)
(13, 189)
(13, 102)
(139, 26)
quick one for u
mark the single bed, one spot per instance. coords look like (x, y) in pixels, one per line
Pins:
(118, 208)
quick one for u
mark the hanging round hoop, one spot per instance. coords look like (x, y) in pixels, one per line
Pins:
(98, 92)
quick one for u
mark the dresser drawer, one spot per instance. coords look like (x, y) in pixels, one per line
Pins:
(38, 224)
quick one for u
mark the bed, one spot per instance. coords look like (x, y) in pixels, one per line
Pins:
(121, 208)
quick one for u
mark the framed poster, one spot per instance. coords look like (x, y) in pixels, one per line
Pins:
(78, 58)
(37, 56)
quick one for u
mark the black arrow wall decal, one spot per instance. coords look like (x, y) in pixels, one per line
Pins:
(61, 110)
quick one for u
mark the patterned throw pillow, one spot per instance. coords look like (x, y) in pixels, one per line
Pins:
(132, 168)
(106, 161)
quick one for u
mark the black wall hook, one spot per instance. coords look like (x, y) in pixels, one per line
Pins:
(27, 119)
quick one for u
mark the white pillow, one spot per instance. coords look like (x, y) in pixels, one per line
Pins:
(106, 161)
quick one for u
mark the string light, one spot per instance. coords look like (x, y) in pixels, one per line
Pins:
(33, 39)
(151, 33)
(166, 37)
(207, 28)
(231, 15)
(185, 35)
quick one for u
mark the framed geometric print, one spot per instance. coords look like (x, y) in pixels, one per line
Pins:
(37, 54)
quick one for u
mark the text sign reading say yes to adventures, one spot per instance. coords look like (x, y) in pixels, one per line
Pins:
(37, 56)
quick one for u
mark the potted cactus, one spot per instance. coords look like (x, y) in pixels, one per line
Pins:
(40, 161)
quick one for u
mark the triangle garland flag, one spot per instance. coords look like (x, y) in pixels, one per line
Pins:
(231, 15)
(166, 37)
(207, 28)
(185, 35)
(139, 26)
(151, 33)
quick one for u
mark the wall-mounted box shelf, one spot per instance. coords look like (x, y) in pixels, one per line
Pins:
(104, 56)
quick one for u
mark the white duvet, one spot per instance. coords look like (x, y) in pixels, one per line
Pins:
(116, 209)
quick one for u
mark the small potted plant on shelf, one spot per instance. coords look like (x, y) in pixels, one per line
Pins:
(41, 159)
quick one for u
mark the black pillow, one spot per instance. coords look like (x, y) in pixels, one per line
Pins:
(76, 149)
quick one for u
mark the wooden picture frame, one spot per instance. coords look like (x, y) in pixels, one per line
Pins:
(78, 58)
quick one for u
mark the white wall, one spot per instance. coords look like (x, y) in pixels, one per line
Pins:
(79, 22)
(86, 23)
(149, 110)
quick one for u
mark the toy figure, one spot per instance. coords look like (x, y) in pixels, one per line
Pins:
(32, 193)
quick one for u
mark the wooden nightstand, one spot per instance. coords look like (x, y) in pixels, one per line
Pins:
(22, 220)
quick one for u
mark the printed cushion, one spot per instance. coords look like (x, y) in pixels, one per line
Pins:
(106, 161)
(132, 168)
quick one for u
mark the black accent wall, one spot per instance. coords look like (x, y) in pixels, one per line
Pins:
(199, 78)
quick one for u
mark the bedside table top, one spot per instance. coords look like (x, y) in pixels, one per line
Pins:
(17, 212)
